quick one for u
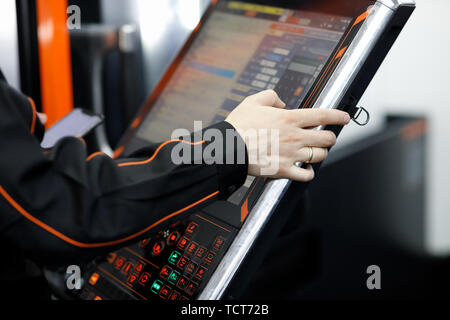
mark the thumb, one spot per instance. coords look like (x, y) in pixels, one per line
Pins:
(42, 117)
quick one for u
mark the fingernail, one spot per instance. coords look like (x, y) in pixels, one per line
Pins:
(347, 119)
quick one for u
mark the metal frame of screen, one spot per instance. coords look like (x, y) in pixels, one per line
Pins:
(335, 91)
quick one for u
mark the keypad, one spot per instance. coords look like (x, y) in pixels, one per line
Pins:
(172, 265)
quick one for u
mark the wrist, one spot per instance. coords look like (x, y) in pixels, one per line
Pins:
(233, 170)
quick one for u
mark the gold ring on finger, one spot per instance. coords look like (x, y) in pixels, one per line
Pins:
(311, 155)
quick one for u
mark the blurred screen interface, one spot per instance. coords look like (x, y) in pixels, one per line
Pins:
(243, 49)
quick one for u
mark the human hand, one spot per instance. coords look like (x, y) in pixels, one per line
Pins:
(289, 130)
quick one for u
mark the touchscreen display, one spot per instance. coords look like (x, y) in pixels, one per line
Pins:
(242, 49)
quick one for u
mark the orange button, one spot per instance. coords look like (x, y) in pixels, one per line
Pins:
(145, 277)
(165, 292)
(119, 263)
(201, 252)
(112, 256)
(165, 271)
(132, 279)
(127, 267)
(192, 247)
(183, 243)
(139, 266)
(182, 282)
(209, 258)
(182, 262)
(94, 278)
(218, 243)
(174, 296)
(158, 248)
(200, 273)
(143, 243)
(173, 238)
(192, 227)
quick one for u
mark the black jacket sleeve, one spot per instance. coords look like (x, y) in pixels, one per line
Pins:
(64, 206)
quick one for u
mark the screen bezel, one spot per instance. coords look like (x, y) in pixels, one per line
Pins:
(346, 8)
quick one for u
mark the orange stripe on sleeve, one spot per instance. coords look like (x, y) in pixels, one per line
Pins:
(75, 243)
(94, 155)
(118, 152)
(127, 164)
(33, 120)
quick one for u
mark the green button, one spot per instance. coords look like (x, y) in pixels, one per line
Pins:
(174, 257)
(173, 278)
(156, 286)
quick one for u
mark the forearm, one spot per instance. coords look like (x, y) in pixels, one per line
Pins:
(65, 206)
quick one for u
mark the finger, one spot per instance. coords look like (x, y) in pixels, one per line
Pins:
(299, 174)
(308, 118)
(269, 98)
(318, 155)
(318, 138)
(42, 117)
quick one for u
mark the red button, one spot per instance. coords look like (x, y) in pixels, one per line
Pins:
(165, 292)
(119, 263)
(139, 266)
(158, 248)
(127, 267)
(175, 295)
(144, 278)
(94, 278)
(165, 271)
(191, 248)
(112, 256)
(201, 252)
(182, 283)
(210, 257)
(200, 273)
(191, 228)
(173, 238)
(191, 288)
(190, 269)
(132, 279)
(183, 243)
(218, 243)
(144, 243)
(183, 262)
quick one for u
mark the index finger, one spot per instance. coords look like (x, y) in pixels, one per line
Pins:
(308, 118)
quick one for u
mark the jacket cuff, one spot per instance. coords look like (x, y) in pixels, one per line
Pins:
(234, 170)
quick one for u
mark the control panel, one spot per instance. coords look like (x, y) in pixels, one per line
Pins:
(295, 53)
(172, 265)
